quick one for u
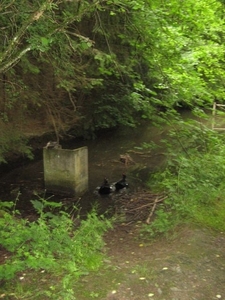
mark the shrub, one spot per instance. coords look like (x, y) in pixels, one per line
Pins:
(193, 178)
(52, 243)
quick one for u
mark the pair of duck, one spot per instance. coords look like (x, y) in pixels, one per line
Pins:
(106, 188)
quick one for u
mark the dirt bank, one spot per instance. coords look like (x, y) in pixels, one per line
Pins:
(190, 265)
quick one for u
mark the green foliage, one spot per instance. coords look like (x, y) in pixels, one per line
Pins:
(191, 33)
(163, 223)
(193, 179)
(12, 140)
(111, 109)
(108, 63)
(211, 216)
(52, 243)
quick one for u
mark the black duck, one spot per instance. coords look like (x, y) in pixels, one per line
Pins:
(105, 188)
(121, 183)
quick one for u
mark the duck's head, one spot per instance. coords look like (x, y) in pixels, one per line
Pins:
(106, 181)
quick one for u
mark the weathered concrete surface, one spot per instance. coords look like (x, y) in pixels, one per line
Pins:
(66, 171)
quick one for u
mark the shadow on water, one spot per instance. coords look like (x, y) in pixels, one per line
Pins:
(104, 161)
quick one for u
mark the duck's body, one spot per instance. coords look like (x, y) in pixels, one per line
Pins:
(121, 183)
(105, 188)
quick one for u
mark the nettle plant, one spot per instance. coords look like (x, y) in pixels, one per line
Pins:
(52, 243)
(193, 178)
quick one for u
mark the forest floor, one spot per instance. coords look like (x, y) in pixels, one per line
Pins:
(188, 265)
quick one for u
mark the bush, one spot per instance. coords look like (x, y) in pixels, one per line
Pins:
(193, 178)
(51, 243)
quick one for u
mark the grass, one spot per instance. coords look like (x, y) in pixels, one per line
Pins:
(193, 179)
(41, 285)
(212, 216)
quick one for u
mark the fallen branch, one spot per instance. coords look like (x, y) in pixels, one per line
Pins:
(126, 159)
(151, 213)
(136, 207)
(153, 209)
(139, 152)
(157, 200)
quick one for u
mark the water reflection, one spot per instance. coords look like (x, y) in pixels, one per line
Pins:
(104, 155)
(104, 162)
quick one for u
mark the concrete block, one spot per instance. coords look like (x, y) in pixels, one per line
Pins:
(66, 171)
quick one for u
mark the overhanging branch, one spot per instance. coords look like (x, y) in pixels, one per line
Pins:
(13, 45)
(5, 67)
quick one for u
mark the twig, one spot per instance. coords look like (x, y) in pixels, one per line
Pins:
(139, 152)
(157, 200)
(153, 209)
(140, 207)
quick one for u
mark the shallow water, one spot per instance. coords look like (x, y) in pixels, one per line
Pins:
(103, 161)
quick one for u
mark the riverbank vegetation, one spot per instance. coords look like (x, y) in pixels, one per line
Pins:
(193, 178)
(74, 67)
(56, 247)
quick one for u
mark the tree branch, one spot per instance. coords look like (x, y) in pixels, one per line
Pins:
(5, 67)
(12, 47)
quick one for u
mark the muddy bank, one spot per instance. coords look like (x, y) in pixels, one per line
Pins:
(189, 265)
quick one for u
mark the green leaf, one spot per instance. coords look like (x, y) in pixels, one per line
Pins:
(45, 41)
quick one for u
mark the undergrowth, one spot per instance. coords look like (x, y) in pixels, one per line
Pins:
(193, 179)
(54, 244)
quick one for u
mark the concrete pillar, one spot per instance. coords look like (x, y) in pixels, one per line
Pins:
(66, 171)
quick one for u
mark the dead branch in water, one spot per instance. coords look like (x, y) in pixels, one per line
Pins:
(135, 207)
(139, 152)
(126, 159)
(150, 204)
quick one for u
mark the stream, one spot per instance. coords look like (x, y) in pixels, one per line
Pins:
(26, 182)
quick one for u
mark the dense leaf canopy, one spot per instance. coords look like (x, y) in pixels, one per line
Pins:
(91, 64)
